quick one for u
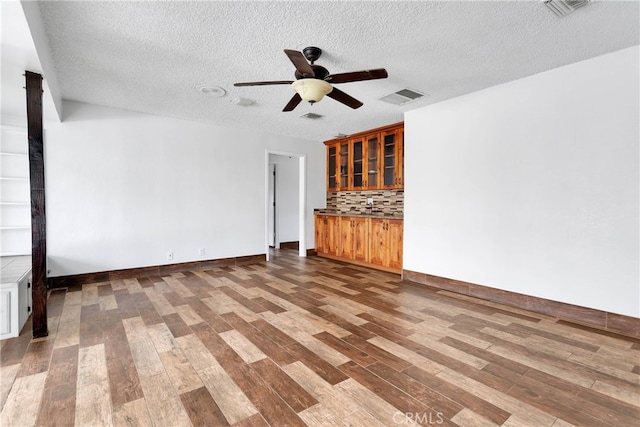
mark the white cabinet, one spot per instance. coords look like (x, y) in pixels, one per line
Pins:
(15, 295)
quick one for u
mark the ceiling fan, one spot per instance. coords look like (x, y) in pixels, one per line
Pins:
(313, 81)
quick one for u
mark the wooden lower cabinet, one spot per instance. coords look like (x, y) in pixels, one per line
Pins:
(327, 234)
(353, 238)
(385, 242)
(375, 242)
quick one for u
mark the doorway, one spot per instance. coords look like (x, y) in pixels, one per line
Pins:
(285, 200)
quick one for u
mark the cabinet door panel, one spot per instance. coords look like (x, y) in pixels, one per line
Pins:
(394, 243)
(389, 159)
(332, 167)
(346, 237)
(360, 238)
(377, 241)
(333, 233)
(320, 234)
(373, 162)
(400, 157)
(344, 166)
(357, 164)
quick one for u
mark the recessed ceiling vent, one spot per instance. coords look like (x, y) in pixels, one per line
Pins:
(401, 97)
(312, 116)
(243, 102)
(562, 8)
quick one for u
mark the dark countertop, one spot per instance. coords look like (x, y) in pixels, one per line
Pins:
(396, 215)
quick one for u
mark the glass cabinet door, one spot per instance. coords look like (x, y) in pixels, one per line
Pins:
(344, 165)
(389, 161)
(358, 164)
(332, 166)
(372, 162)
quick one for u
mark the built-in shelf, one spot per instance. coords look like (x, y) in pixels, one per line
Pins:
(17, 253)
(14, 197)
(13, 128)
(13, 154)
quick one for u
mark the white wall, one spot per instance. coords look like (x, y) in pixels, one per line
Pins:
(125, 188)
(287, 196)
(532, 186)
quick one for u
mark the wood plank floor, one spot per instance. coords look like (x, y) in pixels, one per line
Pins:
(313, 342)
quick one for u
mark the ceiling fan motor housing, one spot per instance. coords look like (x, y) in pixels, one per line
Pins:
(319, 72)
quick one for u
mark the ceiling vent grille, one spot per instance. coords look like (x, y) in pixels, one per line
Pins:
(562, 8)
(401, 97)
(243, 102)
(312, 116)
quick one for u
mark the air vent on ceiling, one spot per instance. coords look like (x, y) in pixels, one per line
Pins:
(312, 116)
(243, 102)
(401, 97)
(562, 8)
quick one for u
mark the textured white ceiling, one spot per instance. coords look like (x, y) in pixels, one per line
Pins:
(149, 56)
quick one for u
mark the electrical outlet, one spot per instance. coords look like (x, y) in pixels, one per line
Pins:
(170, 255)
(370, 201)
(201, 252)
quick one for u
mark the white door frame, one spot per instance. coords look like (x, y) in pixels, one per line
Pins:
(273, 207)
(302, 200)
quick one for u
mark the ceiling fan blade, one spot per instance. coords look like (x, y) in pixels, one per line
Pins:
(276, 82)
(356, 76)
(300, 62)
(347, 100)
(293, 103)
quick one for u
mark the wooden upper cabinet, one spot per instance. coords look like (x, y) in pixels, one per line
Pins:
(357, 161)
(344, 167)
(332, 167)
(372, 165)
(392, 159)
(338, 166)
(367, 161)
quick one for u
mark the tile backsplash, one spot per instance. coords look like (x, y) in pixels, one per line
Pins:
(385, 202)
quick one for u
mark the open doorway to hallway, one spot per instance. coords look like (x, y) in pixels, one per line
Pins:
(285, 202)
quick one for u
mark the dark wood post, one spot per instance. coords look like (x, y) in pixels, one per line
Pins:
(38, 223)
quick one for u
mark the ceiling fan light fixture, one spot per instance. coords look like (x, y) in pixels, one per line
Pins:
(311, 90)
